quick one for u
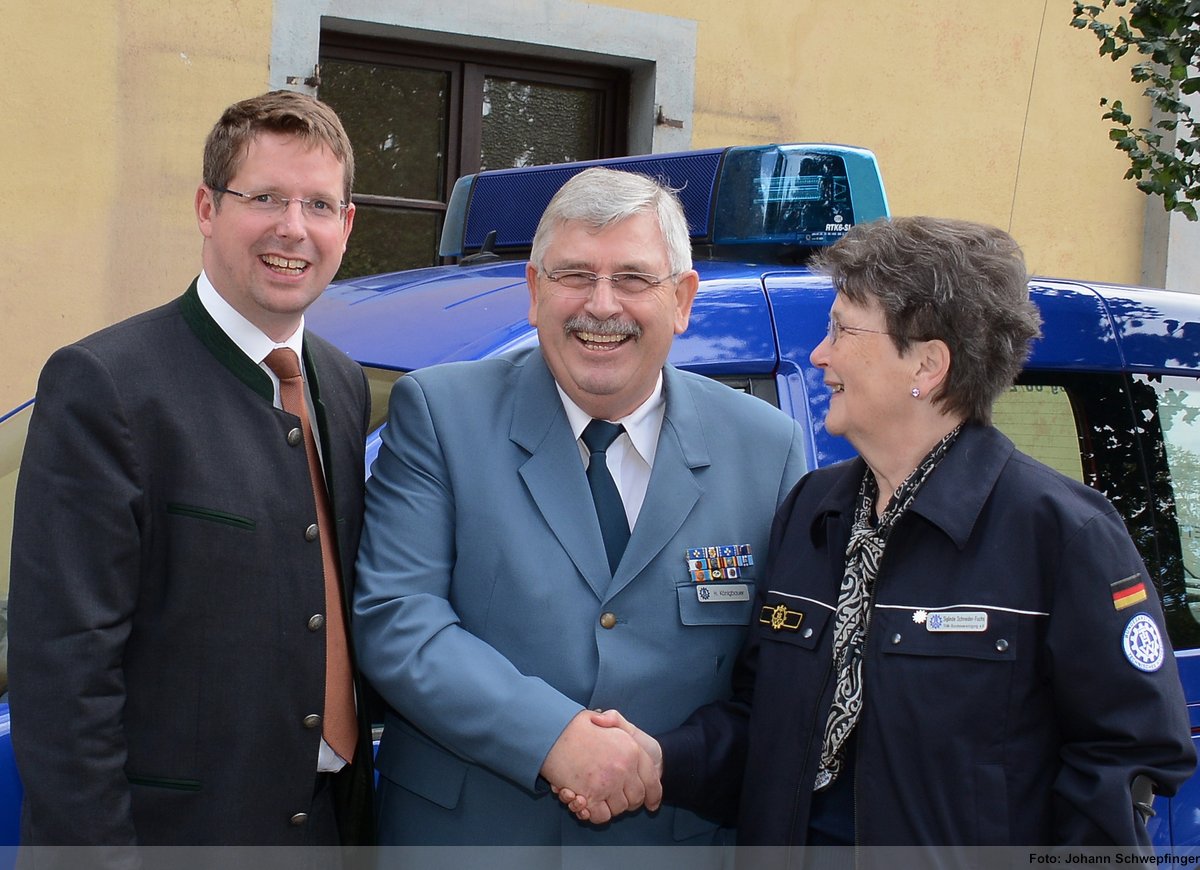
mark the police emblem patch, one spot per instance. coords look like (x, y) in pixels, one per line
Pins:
(1143, 643)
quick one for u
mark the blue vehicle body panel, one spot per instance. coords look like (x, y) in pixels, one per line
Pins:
(409, 320)
(1182, 820)
(1159, 330)
(11, 791)
(414, 319)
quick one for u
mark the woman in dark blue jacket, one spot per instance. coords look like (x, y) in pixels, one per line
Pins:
(955, 645)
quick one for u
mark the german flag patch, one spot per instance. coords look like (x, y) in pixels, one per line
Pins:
(1129, 591)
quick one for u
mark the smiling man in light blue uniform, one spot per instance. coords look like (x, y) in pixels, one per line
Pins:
(487, 613)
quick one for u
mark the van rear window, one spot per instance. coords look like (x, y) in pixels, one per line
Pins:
(1041, 422)
(1135, 438)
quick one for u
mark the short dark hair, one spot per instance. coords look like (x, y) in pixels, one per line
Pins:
(285, 112)
(936, 278)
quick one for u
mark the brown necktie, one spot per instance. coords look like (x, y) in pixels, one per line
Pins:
(339, 726)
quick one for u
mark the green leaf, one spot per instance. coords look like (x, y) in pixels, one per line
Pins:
(1164, 157)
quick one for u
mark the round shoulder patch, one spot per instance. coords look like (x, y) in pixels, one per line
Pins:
(1143, 643)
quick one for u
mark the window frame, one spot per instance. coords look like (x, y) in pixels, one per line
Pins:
(467, 70)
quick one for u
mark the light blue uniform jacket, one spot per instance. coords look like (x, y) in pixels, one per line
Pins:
(482, 581)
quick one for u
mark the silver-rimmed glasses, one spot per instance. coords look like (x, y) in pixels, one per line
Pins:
(269, 202)
(579, 284)
(835, 329)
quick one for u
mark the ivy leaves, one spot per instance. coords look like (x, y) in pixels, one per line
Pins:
(1165, 157)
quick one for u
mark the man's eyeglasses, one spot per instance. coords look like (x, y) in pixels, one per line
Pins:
(578, 284)
(269, 202)
(835, 329)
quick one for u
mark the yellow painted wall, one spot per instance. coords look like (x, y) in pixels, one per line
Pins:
(103, 114)
(984, 111)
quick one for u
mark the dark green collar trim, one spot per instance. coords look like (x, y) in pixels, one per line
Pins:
(222, 346)
(310, 371)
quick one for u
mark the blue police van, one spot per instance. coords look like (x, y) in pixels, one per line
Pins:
(1110, 395)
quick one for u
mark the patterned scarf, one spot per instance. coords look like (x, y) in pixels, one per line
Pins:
(864, 554)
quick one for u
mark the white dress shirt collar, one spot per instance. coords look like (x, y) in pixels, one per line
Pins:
(642, 425)
(252, 341)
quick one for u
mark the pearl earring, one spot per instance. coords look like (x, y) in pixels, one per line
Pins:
(916, 392)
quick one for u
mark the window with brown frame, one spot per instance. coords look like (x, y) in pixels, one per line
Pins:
(420, 116)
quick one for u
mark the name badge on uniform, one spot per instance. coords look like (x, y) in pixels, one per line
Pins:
(955, 620)
(718, 592)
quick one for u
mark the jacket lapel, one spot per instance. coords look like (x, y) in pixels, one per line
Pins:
(554, 473)
(222, 347)
(673, 490)
(834, 513)
(320, 414)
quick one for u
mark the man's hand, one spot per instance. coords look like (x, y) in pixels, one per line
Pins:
(603, 766)
(649, 768)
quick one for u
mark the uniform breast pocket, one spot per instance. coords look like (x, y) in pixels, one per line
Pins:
(716, 603)
(947, 672)
(211, 515)
(224, 545)
(979, 635)
(796, 621)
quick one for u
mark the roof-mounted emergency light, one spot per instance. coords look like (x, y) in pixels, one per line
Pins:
(795, 195)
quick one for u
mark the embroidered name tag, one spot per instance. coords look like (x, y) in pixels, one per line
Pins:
(710, 593)
(959, 620)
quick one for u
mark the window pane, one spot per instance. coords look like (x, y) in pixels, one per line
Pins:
(1039, 420)
(1147, 463)
(1178, 486)
(388, 239)
(380, 383)
(396, 118)
(530, 124)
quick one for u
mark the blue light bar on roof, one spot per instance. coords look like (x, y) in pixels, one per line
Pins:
(795, 194)
(804, 195)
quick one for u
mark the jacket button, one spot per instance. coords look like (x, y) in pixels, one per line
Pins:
(608, 620)
(311, 533)
(1001, 645)
(312, 720)
(295, 437)
(896, 638)
(807, 632)
(315, 622)
(299, 819)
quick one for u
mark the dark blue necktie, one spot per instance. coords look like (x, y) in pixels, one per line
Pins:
(614, 527)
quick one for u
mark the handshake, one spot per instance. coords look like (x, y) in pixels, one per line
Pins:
(602, 766)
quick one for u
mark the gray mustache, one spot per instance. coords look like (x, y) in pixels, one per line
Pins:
(584, 323)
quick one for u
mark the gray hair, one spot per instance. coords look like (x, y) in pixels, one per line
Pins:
(935, 278)
(599, 197)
